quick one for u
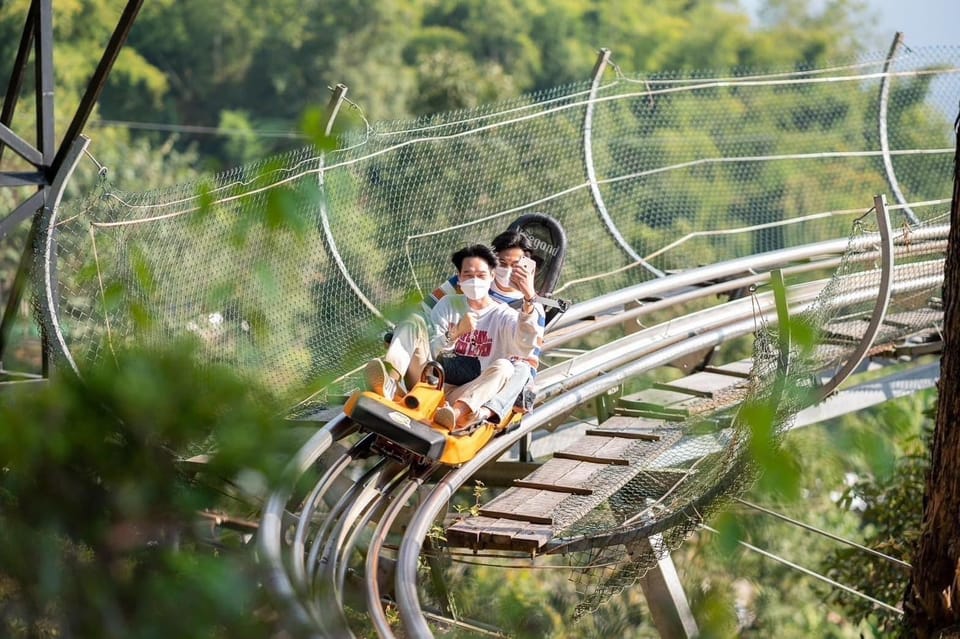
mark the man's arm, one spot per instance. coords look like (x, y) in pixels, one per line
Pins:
(520, 329)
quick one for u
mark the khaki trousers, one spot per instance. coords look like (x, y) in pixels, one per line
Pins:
(485, 387)
(409, 349)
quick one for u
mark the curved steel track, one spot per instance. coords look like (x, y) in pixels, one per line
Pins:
(309, 555)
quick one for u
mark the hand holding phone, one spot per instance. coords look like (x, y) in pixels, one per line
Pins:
(522, 277)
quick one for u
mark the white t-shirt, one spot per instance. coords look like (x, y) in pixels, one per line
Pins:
(500, 332)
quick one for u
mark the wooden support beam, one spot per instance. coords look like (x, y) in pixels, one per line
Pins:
(558, 488)
(613, 461)
(625, 434)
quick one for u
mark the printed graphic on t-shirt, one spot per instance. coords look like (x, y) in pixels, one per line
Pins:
(474, 344)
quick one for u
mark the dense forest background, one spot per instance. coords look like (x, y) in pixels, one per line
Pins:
(213, 86)
(203, 86)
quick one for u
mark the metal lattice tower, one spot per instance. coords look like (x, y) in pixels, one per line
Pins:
(49, 164)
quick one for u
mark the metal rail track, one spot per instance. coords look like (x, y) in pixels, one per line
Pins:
(311, 585)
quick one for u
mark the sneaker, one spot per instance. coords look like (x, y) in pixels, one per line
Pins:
(378, 380)
(471, 421)
(445, 417)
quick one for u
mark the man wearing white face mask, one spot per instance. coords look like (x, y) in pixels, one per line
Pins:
(511, 285)
(469, 326)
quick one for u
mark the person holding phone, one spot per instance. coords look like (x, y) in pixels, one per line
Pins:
(509, 286)
(514, 278)
(470, 325)
(513, 285)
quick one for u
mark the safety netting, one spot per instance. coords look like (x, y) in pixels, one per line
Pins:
(726, 445)
(292, 267)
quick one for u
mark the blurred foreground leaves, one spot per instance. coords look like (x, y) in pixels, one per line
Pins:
(99, 533)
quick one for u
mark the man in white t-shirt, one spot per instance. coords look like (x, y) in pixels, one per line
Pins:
(513, 284)
(468, 325)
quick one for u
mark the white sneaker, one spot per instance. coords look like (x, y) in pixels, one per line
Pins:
(378, 380)
(446, 417)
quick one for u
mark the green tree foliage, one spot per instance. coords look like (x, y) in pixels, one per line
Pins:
(99, 528)
(861, 479)
(187, 63)
(81, 31)
(891, 521)
(452, 80)
(90, 477)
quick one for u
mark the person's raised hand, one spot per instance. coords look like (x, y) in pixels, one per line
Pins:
(521, 277)
(466, 324)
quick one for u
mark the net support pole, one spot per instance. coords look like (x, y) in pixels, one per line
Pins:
(336, 100)
(884, 136)
(333, 107)
(879, 308)
(46, 252)
(591, 170)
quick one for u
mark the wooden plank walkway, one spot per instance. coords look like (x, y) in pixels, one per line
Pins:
(584, 475)
(918, 319)
(845, 331)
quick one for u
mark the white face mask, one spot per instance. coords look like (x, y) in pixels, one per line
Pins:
(475, 288)
(502, 275)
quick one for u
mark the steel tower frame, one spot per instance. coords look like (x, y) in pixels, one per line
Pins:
(49, 162)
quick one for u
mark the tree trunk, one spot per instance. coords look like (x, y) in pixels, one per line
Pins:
(932, 600)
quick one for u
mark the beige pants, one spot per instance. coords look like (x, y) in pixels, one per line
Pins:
(491, 380)
(409, 349)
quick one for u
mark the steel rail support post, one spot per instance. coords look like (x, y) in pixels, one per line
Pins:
(43, 65)
(669, 608)
(524, 448)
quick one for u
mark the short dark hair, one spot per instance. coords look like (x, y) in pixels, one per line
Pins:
(476, 250)
(512, 239)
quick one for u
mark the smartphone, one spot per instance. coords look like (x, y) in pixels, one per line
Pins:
(527, 264)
